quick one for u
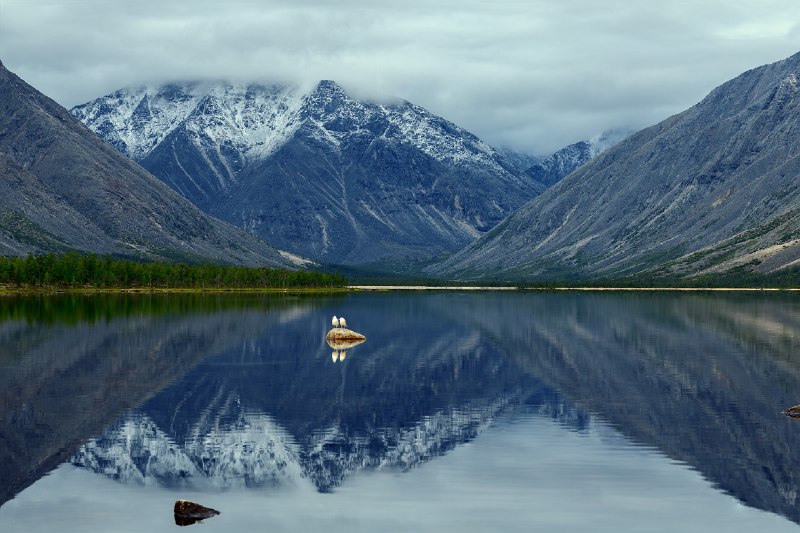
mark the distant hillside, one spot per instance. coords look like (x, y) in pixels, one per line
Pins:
(64, 188)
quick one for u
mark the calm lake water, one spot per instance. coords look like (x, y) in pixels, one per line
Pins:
(461, 412)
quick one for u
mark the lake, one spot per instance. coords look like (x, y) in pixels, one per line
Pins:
(480, 411)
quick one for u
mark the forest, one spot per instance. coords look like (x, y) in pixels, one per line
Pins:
(91, 271)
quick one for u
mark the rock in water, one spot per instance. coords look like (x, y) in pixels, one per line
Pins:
(188, 513)
(793, 412)
(344, 334)
(339, 344)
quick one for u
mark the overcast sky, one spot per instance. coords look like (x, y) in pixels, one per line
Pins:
(534, 75)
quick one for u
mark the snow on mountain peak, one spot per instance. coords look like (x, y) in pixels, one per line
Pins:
(255, 120)
(136, 119)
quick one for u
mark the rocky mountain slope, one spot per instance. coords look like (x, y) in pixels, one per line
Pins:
(33, 218)
(719, 179)
(318, 173)
(64, 188)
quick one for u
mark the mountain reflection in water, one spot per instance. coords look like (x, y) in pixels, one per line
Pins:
(272, 411)
(242, 393)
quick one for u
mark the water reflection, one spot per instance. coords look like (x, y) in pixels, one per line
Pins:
(340, 348)
(246, 396)
(70, 366)
(273, 411)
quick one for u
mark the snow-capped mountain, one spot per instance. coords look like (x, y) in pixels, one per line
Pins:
(550, 170)
(319, 173)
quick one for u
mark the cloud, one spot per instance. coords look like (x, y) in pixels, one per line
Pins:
(530, 74)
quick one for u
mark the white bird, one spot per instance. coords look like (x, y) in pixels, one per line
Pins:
(342, 322)
(335, 322)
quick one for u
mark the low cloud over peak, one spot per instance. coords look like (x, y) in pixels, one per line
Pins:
(534, 75)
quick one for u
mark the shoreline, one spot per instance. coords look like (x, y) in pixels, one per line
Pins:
(566, 289)
(427, 288)
(54, 291)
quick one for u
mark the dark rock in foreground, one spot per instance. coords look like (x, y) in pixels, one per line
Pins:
(188, 513)
(793, 412)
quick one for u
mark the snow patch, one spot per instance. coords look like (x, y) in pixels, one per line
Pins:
(296, 259)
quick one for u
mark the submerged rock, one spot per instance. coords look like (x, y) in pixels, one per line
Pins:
(188, 513)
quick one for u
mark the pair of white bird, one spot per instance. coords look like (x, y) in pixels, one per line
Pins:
(339, 322)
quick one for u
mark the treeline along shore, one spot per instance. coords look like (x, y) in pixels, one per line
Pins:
(75, 271)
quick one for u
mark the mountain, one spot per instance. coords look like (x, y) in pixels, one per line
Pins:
(64, 188)
(711, 188)
(316, 172)
(552, 169)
